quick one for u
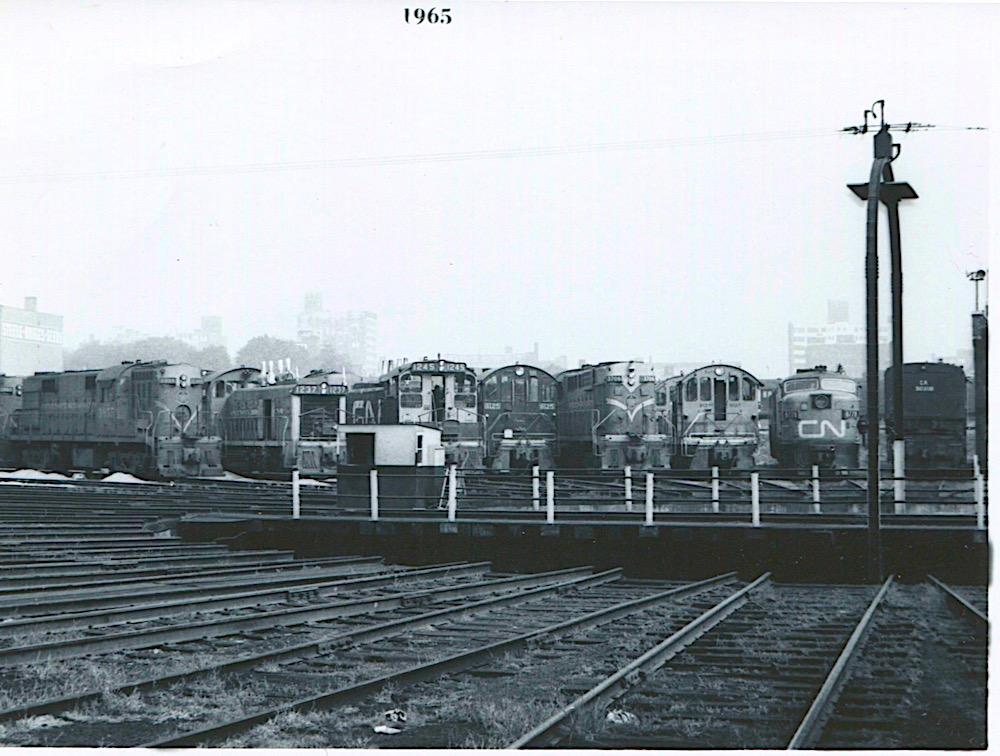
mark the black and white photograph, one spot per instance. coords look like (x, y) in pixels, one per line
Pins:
(495, 375)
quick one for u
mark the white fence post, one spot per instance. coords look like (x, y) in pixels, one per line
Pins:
(373, 490)
(452, 492)
(649, 498)
(715, 489)
(296, 510)
(628, 487)
(755, 499)
(535, 488)
(899, 473)
(815, 482)
(550, 497)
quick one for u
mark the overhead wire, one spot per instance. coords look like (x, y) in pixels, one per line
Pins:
(429, 158)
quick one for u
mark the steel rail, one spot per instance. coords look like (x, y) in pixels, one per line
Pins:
(961, 603)
(199, 584)
(265, 620)
(449, 665)
(617, 684)
(812, 723)
(230, 600)
(82, 557)
(132, 568)
(16, 596)
(551, 582)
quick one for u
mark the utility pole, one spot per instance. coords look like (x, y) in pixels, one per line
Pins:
(882, 187)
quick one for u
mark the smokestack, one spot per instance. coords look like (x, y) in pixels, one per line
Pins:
(270, 372)
(263, 372)
(31, 304)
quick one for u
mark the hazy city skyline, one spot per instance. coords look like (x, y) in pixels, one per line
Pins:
(612, 181)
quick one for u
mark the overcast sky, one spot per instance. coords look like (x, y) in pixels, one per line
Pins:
(611, 180)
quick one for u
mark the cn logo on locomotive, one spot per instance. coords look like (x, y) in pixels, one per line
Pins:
(823, 426)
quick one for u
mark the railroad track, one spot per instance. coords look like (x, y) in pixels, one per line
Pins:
(452, 627)
(797, 676)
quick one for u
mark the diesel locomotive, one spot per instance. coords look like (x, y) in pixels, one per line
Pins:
(714, 412)
(439, 393)
(519, 417)
(10, 404)
(269, 429)
(607, 417)
(814, 420)
(117, 418)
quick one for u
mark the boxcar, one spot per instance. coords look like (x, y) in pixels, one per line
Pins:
(934, 412)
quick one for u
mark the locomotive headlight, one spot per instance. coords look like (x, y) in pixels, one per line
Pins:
(183, 381)
(719, 371)
(821, 401)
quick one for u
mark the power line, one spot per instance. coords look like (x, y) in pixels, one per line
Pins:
(452, 157)
(442, 157)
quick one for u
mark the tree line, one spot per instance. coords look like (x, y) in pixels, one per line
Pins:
(101, 354)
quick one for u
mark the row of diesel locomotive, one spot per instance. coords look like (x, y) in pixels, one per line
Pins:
(814, 419)
(176, 420)
(615, 414)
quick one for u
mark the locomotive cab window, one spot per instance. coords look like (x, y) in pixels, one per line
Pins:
(506, 389)
(838, 384)
(706, 390)
(411, 400)
(734, 388)
(533, 389)
(490, 392)
(691, 390)
(749, 390)
(220, 390)
(409, 383)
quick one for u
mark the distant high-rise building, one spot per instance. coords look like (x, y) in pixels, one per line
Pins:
(209, 335)
(30, 341)
(315, 325)
(837, 311)
(836, 343)
(355, 335)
